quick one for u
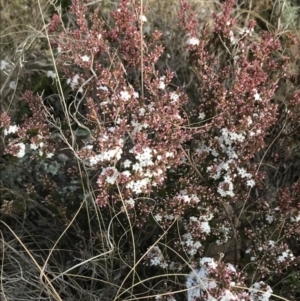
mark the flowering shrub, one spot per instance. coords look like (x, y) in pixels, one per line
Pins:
(185, 164)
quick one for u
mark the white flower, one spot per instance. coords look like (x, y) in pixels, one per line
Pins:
(130, 202)
(158, 217)
(193, 218)
(126, 173)
(228, 296)
(233, 40)
(260, 296)
(145, 158)
(3, 65)
(193, 41)
(127, 163)
(170, 217)
(89, 146)
(174, 96)
(143, 18)
(296, 218)
(205, 227)
(155, 261)
(250, 183)
(110, 179)
(51, 74)
(136, 186)
(285, 255)
(138, 126)
(271, 243)
(201, 116)
(73, 81)
(169, 154)
(142, 111)
(11, 130)
(224, 193)
(21, 152)
(49, 155)
(256, 95)
(162, 85)
(197, 280)
(12, 85)
(85, 58)
(34, 146)
(103, 88)
(269, 218)
(125, 95)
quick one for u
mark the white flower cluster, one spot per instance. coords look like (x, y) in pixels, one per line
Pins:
(197, 280)
(137, 127)
(206, 149)
(3, 64)
(40, 146)
(125, 95)
(174, 96)
(22, 150)
(130, 203)
(183, 195)
(113, 174)
(198, 283)
(143, 18)
(73, 81)
(191, 246)
(51, 74)
(243, 32)
(158, 217)
(162, 84)
(201, 116)
(257, 294)
(287, 254)
(156, 258)
(296, 218)
(144, 159)
(225, 231)
(142, 173)
(11, 130)
(203, 222)
(226, 141)
(85, 58)
(193, 41)
(108, 155)
(256, 95)
(138, 185)
(12, 85)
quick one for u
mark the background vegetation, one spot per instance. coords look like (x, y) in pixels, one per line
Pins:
(192, 77)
